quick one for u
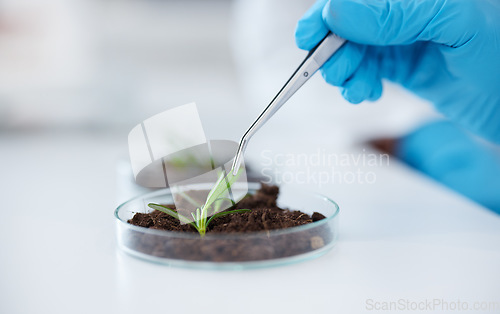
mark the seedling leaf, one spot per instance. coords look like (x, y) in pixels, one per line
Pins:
(215, 197)
(227, 213)
(170, 212)
(190, 199)
(221, 186)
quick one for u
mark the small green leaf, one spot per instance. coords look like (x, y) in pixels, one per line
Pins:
(190, 199)
(218, 203)
(221, 186)
(170, 212)
(227, 213)
(215, 198)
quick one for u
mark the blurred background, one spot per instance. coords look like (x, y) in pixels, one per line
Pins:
(108, 64)
(77, 75)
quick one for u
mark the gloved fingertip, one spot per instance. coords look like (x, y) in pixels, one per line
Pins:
(309, 33)
(365, 83)
(343, 64)
(353, 95)
(376, 91)
(302, 37)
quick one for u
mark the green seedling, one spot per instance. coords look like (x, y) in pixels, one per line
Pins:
(214, 201)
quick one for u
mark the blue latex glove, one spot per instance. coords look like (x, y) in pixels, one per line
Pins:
(446, 51)
(449, 155)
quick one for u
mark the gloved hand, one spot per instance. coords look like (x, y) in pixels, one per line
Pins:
(446, 51)
(451, 156)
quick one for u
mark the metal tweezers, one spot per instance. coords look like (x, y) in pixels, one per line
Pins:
(314, 60)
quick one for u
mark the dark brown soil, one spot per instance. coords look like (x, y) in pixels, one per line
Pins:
(265, 215)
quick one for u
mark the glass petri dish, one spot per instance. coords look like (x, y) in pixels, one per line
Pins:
(231, 250)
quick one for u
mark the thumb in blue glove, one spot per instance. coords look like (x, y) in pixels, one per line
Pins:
(446, 51)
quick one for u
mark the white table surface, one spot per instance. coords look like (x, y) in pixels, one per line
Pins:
(404, 237)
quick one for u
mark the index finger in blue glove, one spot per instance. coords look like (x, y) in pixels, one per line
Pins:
(365, 83)
(343, 63)
(398, 22)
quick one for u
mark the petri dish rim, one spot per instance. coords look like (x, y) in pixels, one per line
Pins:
(251, 186)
